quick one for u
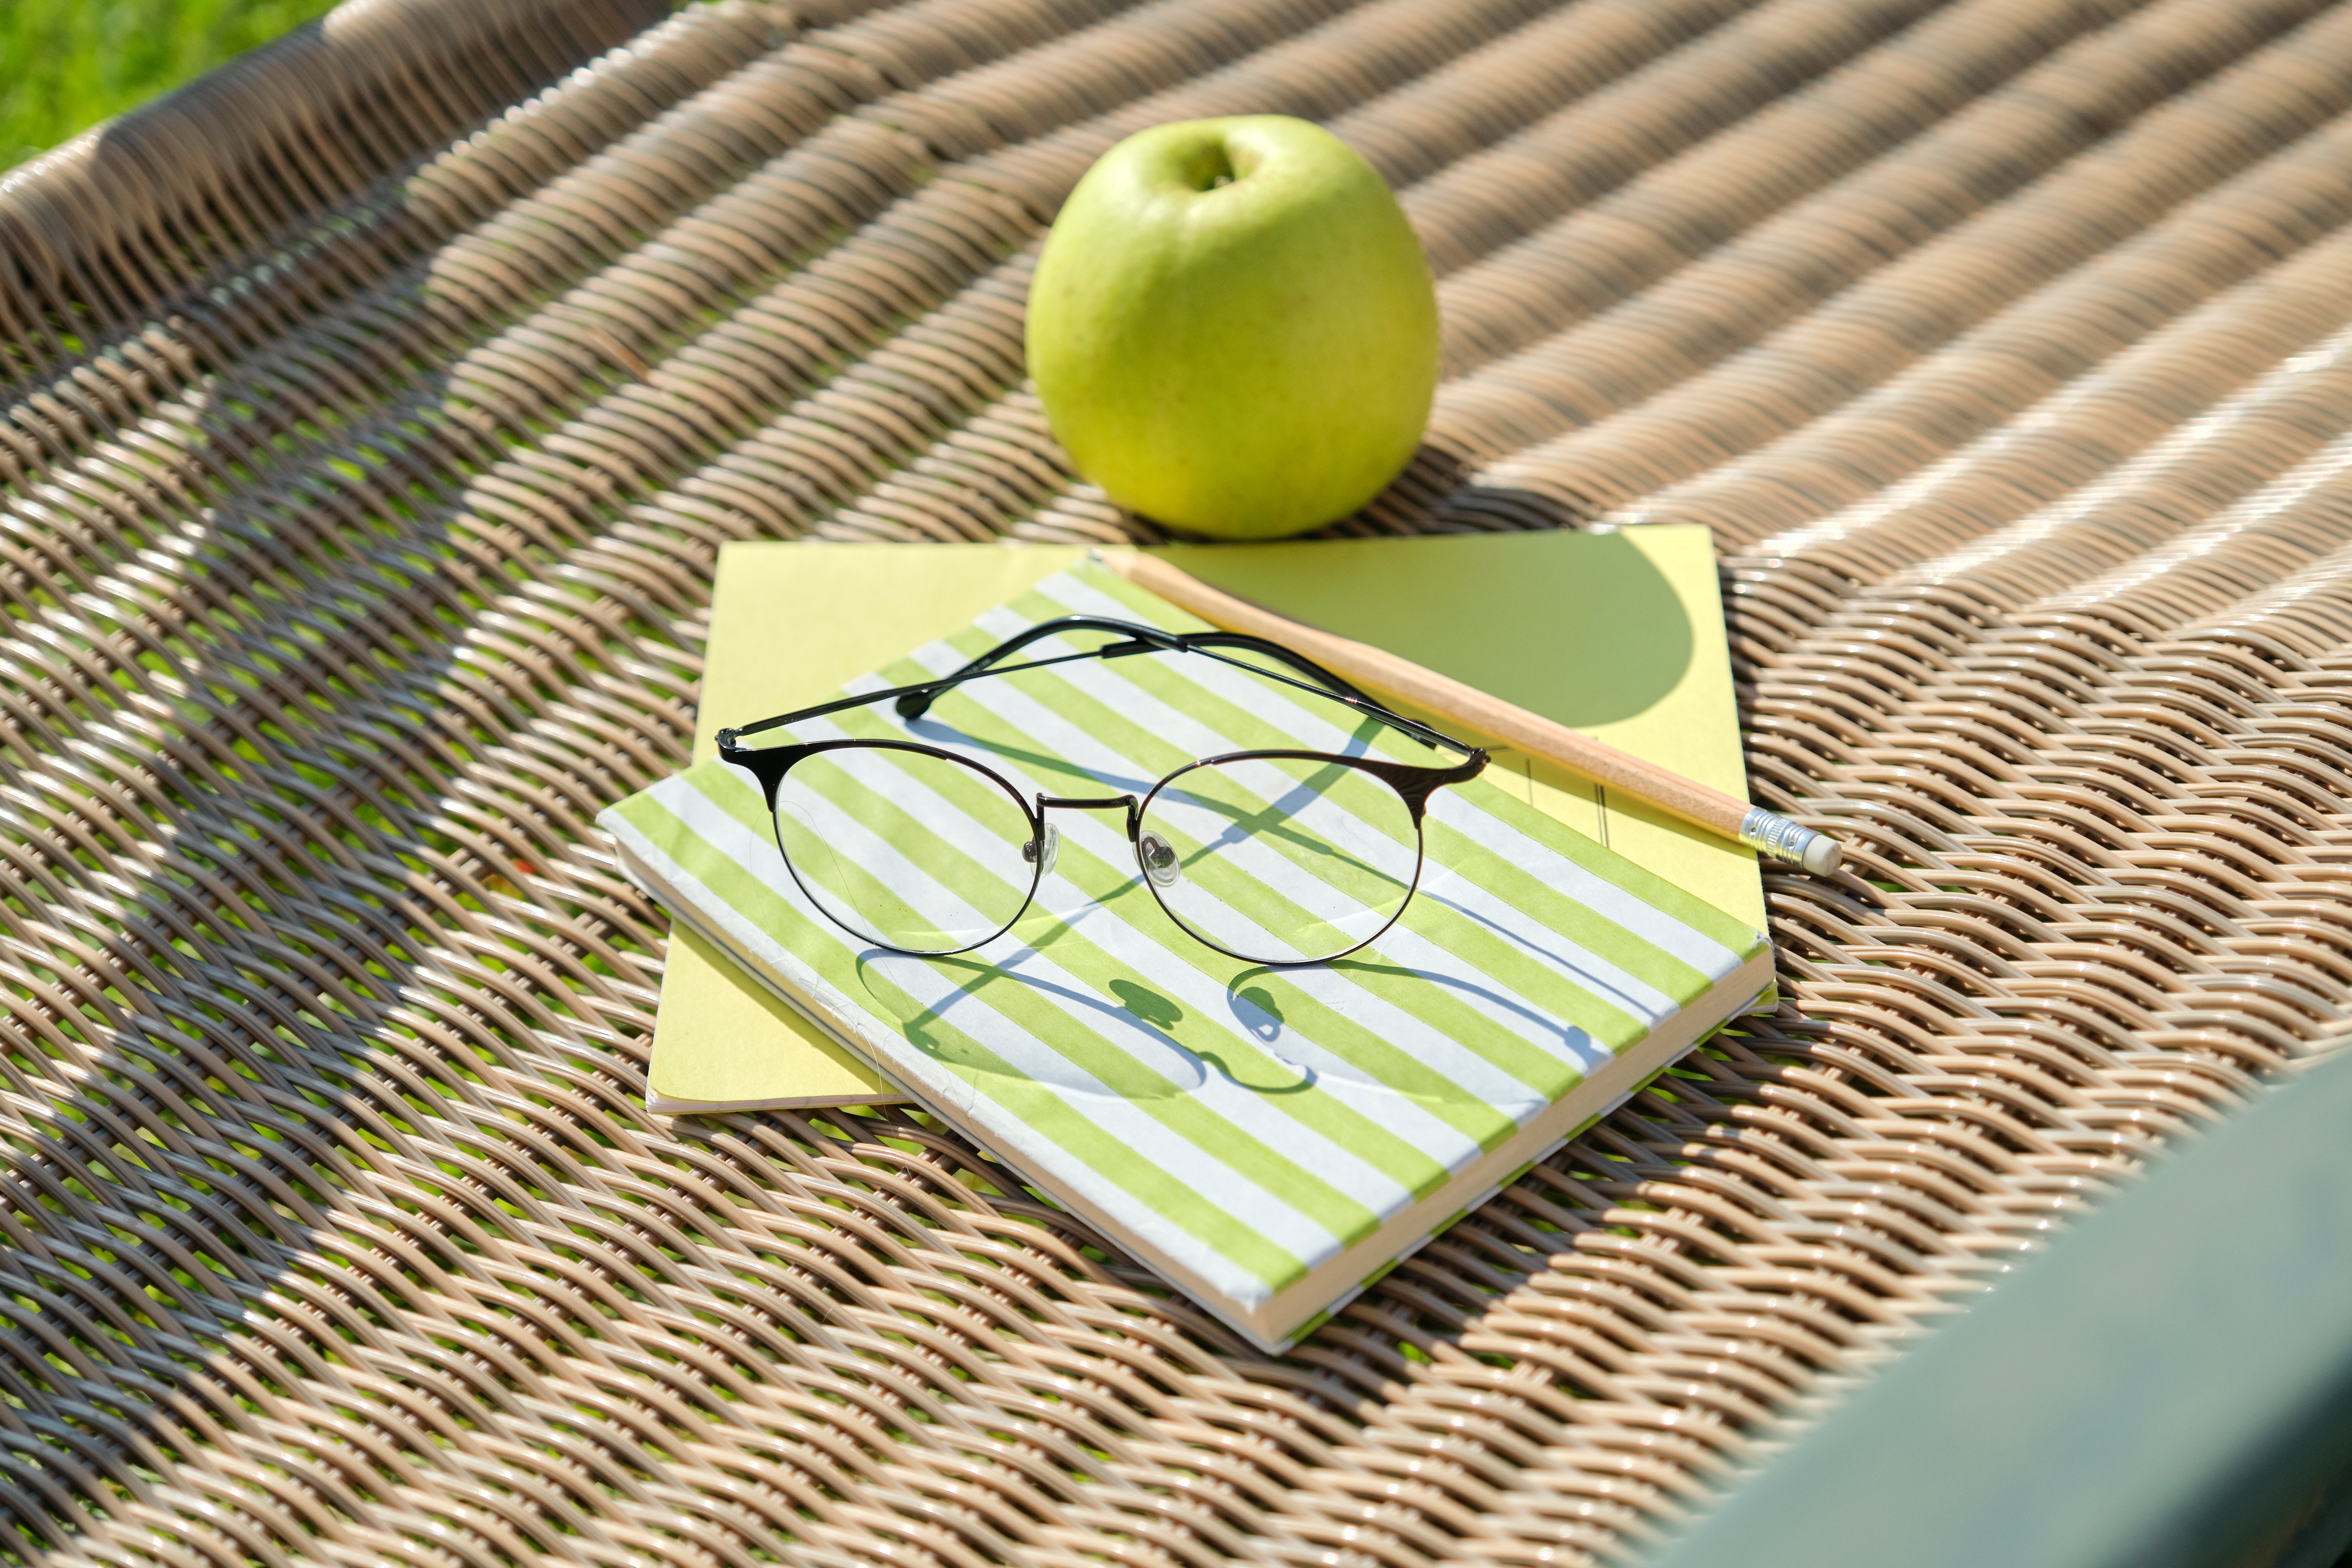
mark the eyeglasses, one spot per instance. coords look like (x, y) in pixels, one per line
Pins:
(1269, 856)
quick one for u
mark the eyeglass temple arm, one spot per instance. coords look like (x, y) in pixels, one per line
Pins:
(1138, 639)
(914, 702)
(1367, 707)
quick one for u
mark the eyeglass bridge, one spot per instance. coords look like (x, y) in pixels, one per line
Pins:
(1127, 802)
(1040, 850)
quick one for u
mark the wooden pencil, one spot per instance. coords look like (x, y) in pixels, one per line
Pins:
(1451, 700)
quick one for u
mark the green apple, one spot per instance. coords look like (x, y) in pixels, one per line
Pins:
(1233, 327)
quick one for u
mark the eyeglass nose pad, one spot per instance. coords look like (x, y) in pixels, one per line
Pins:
(1041, 851)
(1160, 860)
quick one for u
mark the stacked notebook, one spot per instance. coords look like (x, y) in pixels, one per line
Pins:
(1269, 1139)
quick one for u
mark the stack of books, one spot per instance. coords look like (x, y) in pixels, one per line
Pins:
(1269, 1139)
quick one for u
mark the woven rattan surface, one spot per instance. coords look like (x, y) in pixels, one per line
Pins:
(375, 409)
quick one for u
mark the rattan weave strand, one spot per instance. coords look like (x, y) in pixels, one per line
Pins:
(376, 406)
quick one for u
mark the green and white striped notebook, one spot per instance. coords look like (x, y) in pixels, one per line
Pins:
(1269, 1139)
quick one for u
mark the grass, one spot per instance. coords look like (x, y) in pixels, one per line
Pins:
(65, 65)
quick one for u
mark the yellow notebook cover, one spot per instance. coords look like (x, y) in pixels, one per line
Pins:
(1618, 634)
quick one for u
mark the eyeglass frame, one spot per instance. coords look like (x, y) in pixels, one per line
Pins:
(1412, 784)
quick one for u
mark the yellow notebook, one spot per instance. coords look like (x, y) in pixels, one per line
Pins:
(1618, 634)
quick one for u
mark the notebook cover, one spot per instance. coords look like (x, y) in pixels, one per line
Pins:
(1266, 1138)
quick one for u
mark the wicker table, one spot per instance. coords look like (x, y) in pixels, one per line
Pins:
(377, 405)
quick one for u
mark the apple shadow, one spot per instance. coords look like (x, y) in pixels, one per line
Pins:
(1588, 636)
(1434, 493)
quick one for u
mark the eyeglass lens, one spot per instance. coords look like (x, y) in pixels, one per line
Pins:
(924, 853)
(1282, 860)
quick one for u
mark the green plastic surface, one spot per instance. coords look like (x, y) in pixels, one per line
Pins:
(2169, 1387)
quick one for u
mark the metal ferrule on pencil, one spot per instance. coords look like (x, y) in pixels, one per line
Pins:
(1771, 834)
